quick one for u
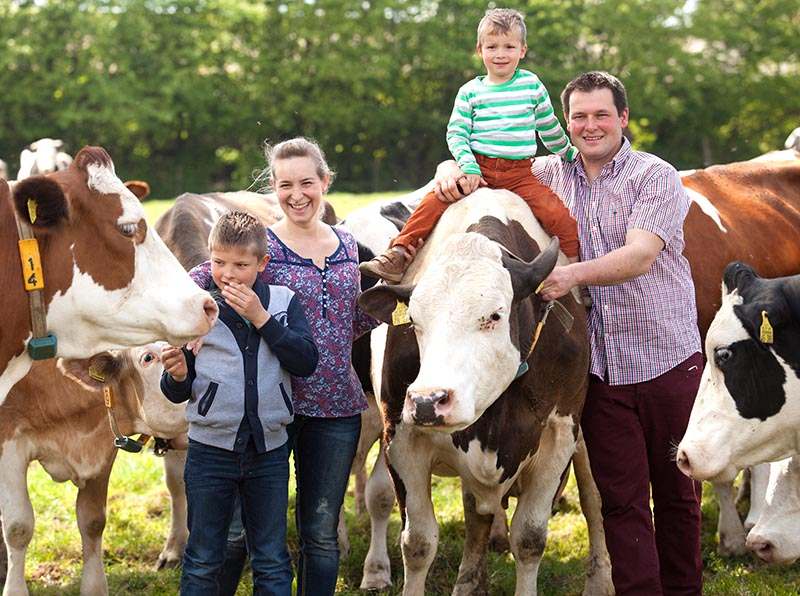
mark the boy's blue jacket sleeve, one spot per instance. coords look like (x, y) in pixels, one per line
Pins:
(293, 343)
(179, 391)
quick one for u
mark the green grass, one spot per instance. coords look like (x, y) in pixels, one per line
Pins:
(138, 520)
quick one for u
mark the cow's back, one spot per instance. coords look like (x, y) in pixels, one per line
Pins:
(747, 211)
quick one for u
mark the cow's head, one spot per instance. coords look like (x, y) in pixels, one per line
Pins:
(110, 282)
(776, 536)
(747, 409)
(463, 310)
(135, 376)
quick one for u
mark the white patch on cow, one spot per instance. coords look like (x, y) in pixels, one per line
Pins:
(161, 417)
(718, 441)
(16, 368)
(793, 140)
(104, 180)
(706, 206)
(483, 464)
(776, 535)
(87, 318)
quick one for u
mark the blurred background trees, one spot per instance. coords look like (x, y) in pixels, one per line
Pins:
(184, 92)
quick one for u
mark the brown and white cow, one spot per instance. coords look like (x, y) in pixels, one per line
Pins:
(110, 282)
(64, 425)
(451, 398)
(775, 537)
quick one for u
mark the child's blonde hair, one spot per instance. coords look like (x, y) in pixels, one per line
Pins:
(239, 229)
(502, 21)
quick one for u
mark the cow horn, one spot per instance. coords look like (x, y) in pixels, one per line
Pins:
(526, 277)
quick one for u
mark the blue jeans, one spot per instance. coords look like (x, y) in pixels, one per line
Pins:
(214, 479)
(324, 449)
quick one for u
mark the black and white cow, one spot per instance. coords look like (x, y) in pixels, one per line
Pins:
(453, 401)
(747, 409)
(775, 538)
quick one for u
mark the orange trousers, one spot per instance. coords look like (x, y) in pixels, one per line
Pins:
(513, 175)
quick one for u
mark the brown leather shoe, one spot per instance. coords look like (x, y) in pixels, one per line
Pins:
(390, 266)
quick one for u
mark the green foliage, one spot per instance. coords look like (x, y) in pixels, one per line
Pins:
(183, 92)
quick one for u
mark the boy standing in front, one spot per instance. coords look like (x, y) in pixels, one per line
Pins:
(240, 402)
(492, 135)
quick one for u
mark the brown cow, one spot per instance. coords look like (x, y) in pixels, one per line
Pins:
(64, 426)
(456, 400)
(109, 280)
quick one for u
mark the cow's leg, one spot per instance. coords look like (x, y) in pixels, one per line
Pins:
(498, 536)
(598, 574)
(759, 479)
(539, 484)
(729, 525)
(420, 536)
(90, 509)
(380, 502)
(16, 512)
(473, 573)
(172, 553)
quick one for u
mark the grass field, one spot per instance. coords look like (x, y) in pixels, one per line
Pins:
(138, 519)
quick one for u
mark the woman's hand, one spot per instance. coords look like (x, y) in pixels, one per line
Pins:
(245, 302)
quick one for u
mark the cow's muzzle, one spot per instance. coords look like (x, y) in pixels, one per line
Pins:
(429, 407)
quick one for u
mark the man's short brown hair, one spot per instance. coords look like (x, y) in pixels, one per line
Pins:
(239, 229)
(596, 79)
(502, 21)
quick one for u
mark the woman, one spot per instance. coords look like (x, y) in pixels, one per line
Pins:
(320, 263)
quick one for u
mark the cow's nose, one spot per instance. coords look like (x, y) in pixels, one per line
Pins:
(763, 548)
(684, 465)
(426, 404)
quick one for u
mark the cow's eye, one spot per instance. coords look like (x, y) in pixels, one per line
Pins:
(148, 357)
(722, 355)
(128, 229)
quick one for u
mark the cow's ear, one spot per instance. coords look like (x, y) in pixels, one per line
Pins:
(526, 277)
(92, 155)
(95, 372)
(381, 301)
(40, 201)
(738, 276)
(139, 188)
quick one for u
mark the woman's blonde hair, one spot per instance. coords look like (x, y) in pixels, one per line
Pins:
(296, 147)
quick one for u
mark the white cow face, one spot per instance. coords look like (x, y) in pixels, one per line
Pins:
(747, 409)
(164, 418)
(460, 310)
(776, 536)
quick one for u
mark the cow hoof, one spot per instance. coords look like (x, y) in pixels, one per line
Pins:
(499, 544)
(732, 546)
(377, 576)
(167, 562)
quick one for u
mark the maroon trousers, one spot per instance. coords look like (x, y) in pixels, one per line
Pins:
(631, 432)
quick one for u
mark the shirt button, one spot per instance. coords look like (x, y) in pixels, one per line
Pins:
(239, 441)
(250, 382)
(239, 325)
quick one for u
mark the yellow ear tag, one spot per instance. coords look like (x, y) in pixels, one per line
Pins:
(765, 333)
(400, 314)
(96, 374)
(32, 210)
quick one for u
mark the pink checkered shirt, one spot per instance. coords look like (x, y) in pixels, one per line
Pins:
(646, 326)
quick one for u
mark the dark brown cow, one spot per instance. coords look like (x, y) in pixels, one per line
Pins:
(64, 426)
(456, 401)
(109, 280)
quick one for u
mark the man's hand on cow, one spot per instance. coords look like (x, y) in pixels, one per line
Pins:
(174, 362)
(245, 302)
(560, 281)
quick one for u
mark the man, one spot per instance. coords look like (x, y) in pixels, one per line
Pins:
(646, 362)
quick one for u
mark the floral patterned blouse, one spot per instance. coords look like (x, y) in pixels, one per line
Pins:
(329, 298)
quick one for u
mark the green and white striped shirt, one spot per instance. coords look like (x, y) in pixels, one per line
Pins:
(503, 120)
